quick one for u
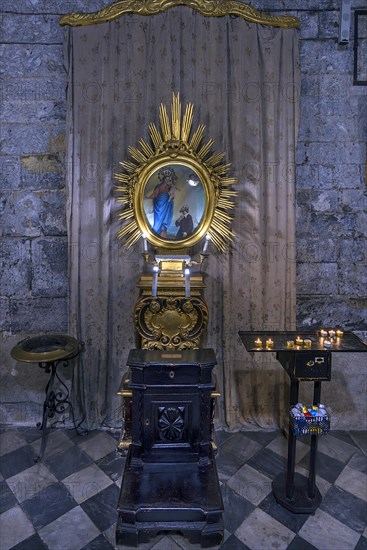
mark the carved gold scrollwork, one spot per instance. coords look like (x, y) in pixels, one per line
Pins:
(208, 8)
(170, 322)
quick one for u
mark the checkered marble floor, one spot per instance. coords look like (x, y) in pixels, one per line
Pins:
(68, 501)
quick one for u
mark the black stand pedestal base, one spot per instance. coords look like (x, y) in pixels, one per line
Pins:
(300, 503)
(170, 497)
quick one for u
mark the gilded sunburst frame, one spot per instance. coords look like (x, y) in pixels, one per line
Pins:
(175, 177)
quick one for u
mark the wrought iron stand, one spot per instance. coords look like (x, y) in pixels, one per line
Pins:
(55, 402)
(49, 351)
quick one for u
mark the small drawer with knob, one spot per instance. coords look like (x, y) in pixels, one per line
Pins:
(172, 374)
(307, 365)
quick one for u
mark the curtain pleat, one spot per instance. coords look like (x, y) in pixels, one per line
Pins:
(244, 81)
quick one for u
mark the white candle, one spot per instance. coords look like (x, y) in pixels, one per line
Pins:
(155, 280)
(206, 244)
(187, 283)
(145, 244)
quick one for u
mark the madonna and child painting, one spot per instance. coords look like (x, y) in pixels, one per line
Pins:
(174, 201)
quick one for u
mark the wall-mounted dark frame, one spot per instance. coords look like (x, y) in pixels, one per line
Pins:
(360, 47)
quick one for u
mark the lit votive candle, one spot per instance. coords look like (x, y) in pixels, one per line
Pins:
(269, 343)
(258, 343)
(339, 333)
(307, 343)
(299, 341)
(327, 344)
(290, 343)
(323, 333)
(331, 333)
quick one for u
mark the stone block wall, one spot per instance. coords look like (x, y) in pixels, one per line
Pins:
(331, 180)
(331, 176)
(331, 185)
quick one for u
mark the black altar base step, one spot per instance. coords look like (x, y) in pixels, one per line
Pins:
(203, 533)
(168, 497)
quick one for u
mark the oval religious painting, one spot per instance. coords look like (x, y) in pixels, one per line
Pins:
(174, 201)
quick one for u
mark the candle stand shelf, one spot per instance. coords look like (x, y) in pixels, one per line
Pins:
(309, 362)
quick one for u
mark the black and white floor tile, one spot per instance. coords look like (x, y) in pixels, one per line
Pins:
(68, 500)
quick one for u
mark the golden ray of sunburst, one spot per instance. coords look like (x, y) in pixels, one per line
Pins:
(174, 135)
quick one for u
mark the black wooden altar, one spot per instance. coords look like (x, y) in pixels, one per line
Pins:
(170, 481)
(309, 361)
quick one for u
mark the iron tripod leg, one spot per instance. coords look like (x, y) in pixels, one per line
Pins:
(55, 402)
(46, 408)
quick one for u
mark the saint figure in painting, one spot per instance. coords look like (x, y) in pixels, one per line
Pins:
(185, 223)
(163, 201)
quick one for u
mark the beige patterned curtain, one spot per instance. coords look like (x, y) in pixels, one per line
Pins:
(244, 82)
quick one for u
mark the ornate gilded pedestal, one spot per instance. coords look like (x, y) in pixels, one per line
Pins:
(176, 193)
